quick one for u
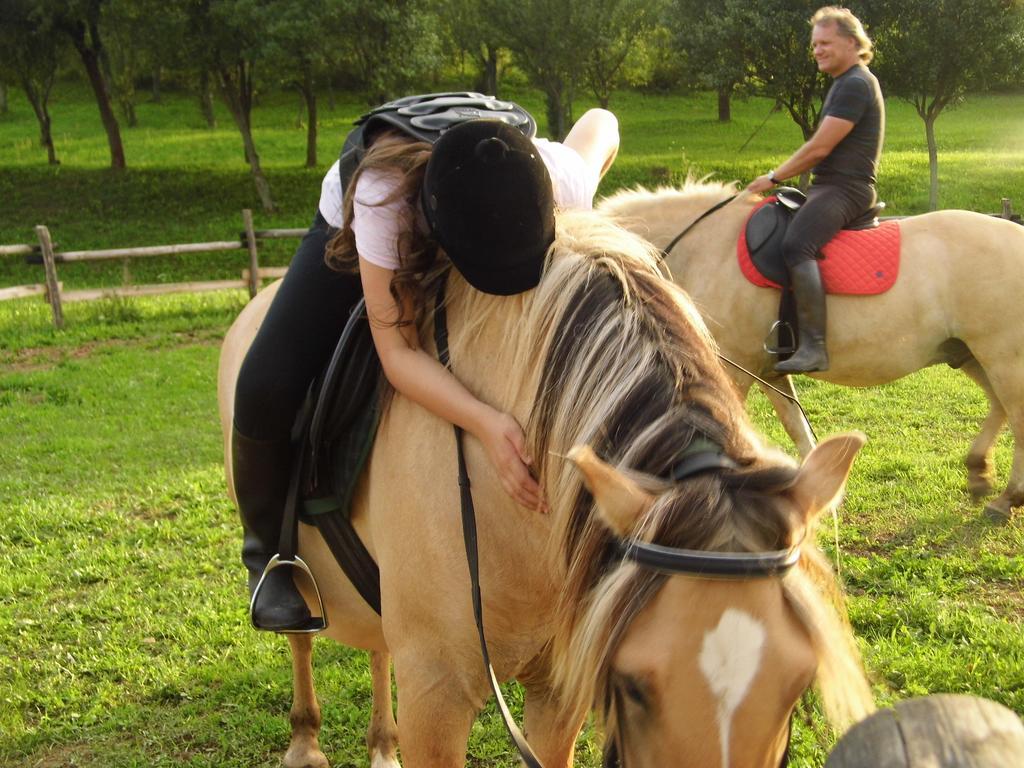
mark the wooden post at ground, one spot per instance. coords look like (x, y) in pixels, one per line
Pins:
(52, 287)
(939, 731)
(1007, 208)
(254, 261)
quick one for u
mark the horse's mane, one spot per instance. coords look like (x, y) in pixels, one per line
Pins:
(700, 192)
(629, 368)
(662, 213)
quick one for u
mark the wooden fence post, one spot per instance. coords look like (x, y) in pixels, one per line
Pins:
(254, 261)
(1007, 208)
(52, 287)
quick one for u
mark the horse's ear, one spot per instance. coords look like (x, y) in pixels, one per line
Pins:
(620, 501)
(822, 476)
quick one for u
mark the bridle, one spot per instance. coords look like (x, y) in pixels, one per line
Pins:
(701, 456)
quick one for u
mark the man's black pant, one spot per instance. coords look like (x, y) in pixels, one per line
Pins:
(828, 209)
(295, 340)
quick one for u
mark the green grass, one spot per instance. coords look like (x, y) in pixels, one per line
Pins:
(123, 637)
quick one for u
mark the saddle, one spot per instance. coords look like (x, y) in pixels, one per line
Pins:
(336, 428)
(862, 259)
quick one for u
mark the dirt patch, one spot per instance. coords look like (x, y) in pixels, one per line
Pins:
(47, 358)
(64, 756)
(1004, 598)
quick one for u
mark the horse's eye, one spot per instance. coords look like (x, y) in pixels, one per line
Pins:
(634, 691)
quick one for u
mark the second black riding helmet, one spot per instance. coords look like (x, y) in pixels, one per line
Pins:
(488, 199)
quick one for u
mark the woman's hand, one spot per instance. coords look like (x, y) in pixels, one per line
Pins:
(505, 444)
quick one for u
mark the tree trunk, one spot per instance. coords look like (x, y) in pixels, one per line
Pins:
(127, 105)
(39, 99)
(3, 99)
(309, 94)
(491, 71)
(91, 60)
(725, 103)
(557, 126)
(206, 100)
(155, 96)
(236, 89)
(933, 163)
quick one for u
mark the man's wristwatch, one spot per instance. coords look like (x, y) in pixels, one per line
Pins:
(771, 176)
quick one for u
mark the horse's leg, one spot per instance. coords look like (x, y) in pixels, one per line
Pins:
(304, 748)
(789, 413)
(550, 730)
(980, 469)
(382, 737)
(436, 708)
(1007, 383)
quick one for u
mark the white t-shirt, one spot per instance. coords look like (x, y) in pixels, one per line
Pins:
(378, 227)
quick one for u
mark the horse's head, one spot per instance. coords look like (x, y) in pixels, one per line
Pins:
(686, 670)
(701, 670)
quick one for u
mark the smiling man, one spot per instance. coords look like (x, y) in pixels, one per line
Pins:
(843, 154)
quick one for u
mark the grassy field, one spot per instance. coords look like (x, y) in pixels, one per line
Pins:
(123, 636)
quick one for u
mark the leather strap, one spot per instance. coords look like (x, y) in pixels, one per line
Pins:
(469, 535)
(675, 240)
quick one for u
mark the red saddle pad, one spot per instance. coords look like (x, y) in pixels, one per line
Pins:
(857, 262)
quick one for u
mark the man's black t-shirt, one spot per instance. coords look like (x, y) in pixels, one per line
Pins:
(854, 96)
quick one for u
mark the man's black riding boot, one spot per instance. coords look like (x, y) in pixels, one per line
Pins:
(811, 354)
(261, 474)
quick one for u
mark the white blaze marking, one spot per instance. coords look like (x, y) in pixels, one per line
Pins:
(729, 660)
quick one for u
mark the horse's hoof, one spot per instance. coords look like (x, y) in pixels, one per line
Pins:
(979, 489)
(380, 760)
(997, 515)
(308, 759)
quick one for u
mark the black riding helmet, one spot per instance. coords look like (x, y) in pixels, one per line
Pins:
(488, 199)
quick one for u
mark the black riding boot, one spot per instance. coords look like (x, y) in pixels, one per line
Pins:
(811, 354)
(261, 473)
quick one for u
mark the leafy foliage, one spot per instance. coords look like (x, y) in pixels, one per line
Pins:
(932, 52)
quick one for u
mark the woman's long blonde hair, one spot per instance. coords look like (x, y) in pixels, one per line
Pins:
(419, 255)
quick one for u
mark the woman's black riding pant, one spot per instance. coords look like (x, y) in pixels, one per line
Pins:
(295, 340)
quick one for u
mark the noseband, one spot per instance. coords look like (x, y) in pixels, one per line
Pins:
(702, 455)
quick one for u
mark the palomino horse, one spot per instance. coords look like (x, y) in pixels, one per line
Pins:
(684, 670)
(955, 301)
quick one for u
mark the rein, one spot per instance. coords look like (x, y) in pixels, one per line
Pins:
(675, 240)
(701, 456)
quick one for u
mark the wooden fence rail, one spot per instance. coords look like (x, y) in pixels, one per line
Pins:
(49, 256)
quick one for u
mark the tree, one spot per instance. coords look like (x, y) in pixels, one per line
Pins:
(297, 56)
(141, 36)
(776, 46)
(474, 34)
(712, 39)
(80, 20)
(388, 47)
(549, 41)
(618, 30)
(226, 39)
(30, 54)
(932, 52)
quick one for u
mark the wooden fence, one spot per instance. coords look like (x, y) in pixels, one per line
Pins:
(53, 290)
